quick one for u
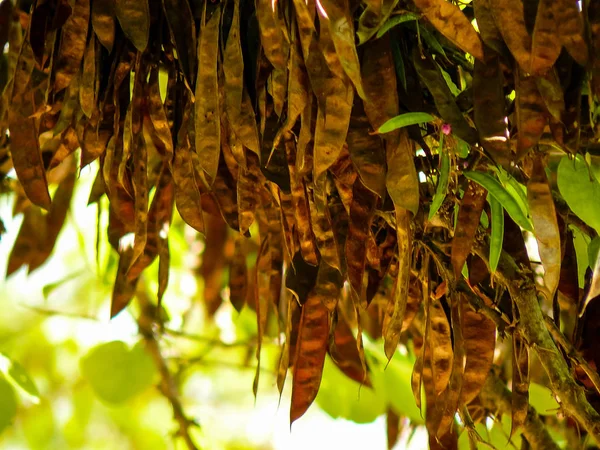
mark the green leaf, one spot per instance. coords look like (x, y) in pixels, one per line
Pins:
(117, 373)
(405, 120)
(581, 242)
(484, 220)
(396, 20)
(453, 88)
(17, 373)
(517, 190)
(593, 249)
(497, 234)
(340, 396)
(580, 189)
(442, 186)
(594, 163)
(541, 398)
(8, 403)
(506, 200)
(462, 148)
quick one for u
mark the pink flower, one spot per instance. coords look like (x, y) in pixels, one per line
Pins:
(446, 129)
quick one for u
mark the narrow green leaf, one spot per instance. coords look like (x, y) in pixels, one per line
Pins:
(405, 120)
(398, 62)
(497, 234)
(396, 20)
(593, 249)
(506, 200)
(19, 375)
(431, 41)
(442, 186)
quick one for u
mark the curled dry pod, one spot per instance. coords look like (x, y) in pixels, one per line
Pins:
(183, 34)
(450, 398)
(322, 227)
(479, 338)
(440, 346)
(469, 215)
(134, 17)
(159, 220)
(490, 109)
(546, 45)
(341, 28)
(237, 102)
(88, 91)
(531, 113)
(25, 152)
(397, 303)
(311, 349)
(452, 23)
(72, 45)
(361, 215)
(545, 224)
(301, 211)
(366, 151)
(509, 16)
(158, 126)
(345, 352)
(103, 22)
(207, 114)
(187, 193)
(249, 182)
(140, 163)
(379, 78)
(238, 275)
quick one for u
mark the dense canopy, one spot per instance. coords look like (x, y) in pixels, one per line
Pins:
(424, 172)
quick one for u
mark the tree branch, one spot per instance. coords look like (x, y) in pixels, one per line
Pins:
(572, 353)
(532, 327)
(168, 385)
(495, 396)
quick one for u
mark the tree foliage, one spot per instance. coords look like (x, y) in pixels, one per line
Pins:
(424, 172)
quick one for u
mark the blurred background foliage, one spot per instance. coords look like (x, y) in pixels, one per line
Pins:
(94, 385)
(72, 378)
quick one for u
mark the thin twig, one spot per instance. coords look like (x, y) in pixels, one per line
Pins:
(56, 312)
(168, 385)
(206, 339)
